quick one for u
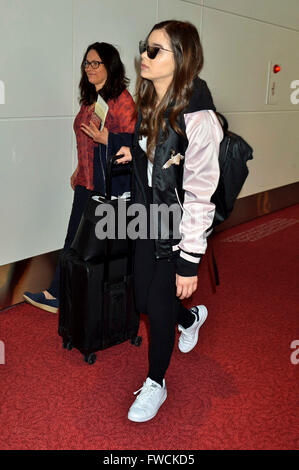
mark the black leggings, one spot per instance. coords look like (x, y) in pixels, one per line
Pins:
(155, 294)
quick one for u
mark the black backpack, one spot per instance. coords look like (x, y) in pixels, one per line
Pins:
(233, 156)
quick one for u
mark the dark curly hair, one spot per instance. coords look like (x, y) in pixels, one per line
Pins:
(116, 81)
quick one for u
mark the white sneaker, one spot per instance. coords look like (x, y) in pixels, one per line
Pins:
(148, 402)
(189, 336)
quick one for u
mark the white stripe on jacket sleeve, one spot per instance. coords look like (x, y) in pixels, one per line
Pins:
(200, 179)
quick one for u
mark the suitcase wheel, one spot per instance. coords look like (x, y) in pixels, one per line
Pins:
(67, 345)
(90, 358)
(136, 340)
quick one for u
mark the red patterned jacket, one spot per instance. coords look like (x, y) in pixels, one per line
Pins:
(120, 122)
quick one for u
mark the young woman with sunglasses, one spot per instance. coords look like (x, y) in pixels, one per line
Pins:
(175, 160)
(102, 73)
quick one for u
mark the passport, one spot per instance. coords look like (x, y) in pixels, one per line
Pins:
(101, 110)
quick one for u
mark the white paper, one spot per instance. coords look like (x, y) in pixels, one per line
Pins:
(101, 110)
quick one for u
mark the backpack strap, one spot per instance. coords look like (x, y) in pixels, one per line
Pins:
(212, 266)
(223, 121)
(215, 267)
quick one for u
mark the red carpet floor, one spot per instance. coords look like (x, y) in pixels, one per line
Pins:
(238, 389)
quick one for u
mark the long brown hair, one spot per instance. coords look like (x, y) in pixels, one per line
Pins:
(188, 56)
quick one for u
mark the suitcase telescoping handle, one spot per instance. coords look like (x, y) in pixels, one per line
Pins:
(125, 169)
(121, 169)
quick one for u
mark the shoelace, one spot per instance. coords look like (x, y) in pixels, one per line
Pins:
(146, 391)
(188, 336)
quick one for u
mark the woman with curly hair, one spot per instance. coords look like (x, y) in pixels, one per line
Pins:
(102, 73)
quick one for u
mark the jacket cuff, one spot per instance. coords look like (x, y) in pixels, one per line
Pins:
(185, 267)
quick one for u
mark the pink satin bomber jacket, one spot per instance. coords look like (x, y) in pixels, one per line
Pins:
(200, 179)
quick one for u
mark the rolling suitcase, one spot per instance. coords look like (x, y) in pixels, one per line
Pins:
(97, 307)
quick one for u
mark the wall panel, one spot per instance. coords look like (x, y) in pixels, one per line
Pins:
(237, 52)
(275, 140)
(35, 191)
(284, 13)
(123, 24)
(180, 10)
(36, 57)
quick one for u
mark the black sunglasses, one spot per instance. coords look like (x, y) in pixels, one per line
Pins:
(151, 51)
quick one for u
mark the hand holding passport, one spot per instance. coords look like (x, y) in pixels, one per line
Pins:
(96, 129)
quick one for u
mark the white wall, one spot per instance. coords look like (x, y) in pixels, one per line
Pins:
(35, 126)
(41, 48)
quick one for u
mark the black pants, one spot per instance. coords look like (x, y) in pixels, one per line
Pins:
(81, 195)
(155, 294)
